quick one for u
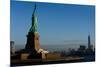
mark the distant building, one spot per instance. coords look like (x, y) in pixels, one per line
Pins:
(82, 48)
(89, 42)
(90, 47)
(12, 47)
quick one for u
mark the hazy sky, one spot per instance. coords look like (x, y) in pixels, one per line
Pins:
(57, 23)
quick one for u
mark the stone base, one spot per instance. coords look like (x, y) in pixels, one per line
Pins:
(53, 56)
(24, 56)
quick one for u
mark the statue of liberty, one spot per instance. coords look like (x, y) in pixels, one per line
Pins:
(34, 22)
(33, 34)
(33, 45)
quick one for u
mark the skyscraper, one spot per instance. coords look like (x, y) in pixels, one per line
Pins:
(89, 42)
(12, 47)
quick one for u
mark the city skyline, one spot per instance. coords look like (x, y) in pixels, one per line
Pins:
(57, 23)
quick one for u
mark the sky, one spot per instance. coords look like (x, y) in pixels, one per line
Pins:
(57, 23)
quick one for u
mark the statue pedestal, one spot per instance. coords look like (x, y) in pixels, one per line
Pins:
(33, 46)
(32, 41)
